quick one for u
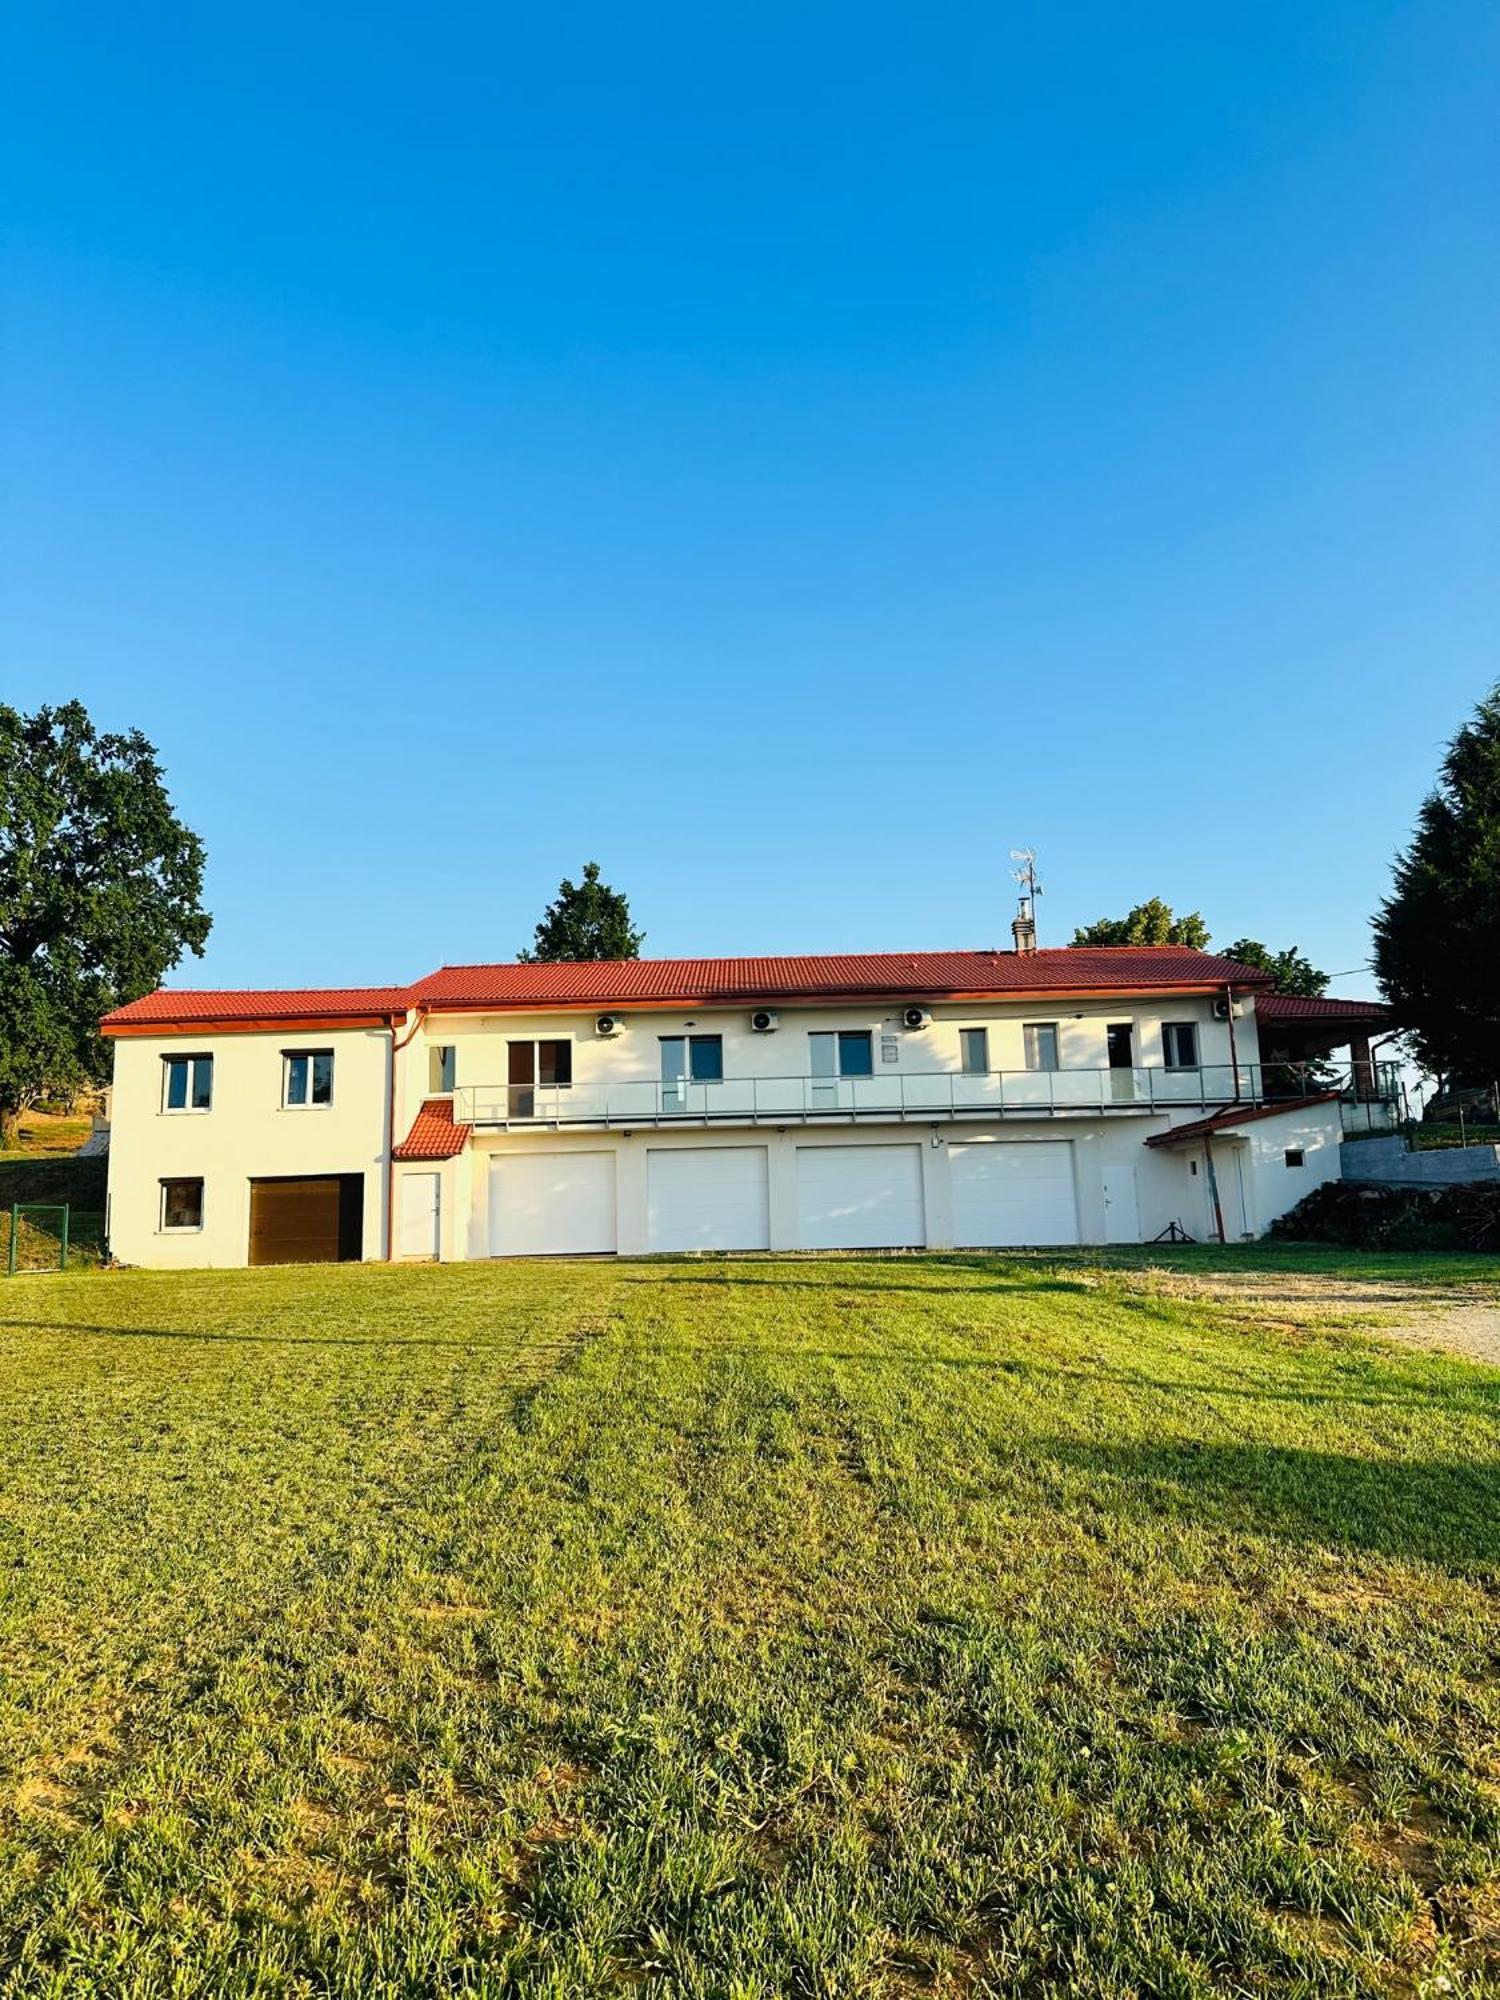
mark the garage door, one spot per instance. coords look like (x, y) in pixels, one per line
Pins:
(552, 1204)
(307, 1221)
(859, 1197)
(1013, 1192)
(707, 1198)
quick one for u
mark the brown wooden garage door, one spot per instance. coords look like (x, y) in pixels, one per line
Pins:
(307, 1221)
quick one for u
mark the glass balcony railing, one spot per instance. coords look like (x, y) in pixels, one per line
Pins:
(939, 1094)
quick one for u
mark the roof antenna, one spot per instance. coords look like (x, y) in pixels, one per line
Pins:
(1023, 927)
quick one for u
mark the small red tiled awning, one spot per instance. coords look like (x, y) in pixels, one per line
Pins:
(434, 1135)
(1230, 1117)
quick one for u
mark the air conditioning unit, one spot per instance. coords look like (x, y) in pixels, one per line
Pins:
(763, 1021)
(1224, 1011)
(916, 1017)
(608, 1025)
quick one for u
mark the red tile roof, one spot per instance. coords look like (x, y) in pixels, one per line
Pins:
(921, 974)
(169, 1004)
(643, 982)
(433, 1135)
(1299, 1007)
(1218, 1121)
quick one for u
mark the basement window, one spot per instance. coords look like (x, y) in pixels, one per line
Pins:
(307, 1079)
(187, 1083)
(1295, 1157)
(182, 1204)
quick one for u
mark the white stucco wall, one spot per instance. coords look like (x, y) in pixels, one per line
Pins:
(244, 1135)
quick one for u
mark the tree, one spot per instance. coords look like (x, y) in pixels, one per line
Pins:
(1437, 935)
(1292, 972)
(1148, 923)
(99, 895)
(588, 920)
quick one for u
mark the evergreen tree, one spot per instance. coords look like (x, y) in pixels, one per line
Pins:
(1437, 935)
(588, 920)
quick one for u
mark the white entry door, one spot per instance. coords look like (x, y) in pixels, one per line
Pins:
(552, 1204)
(707, 1198)
(860, 1197)
(421, 1215)
(1013, 1191)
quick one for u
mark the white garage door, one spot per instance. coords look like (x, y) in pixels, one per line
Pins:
(1013, 1191)
(552, 1204)
(707, 1198)
(859, 1197)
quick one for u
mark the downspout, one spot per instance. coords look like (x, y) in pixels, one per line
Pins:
(390, 1126)
(1234, 1057)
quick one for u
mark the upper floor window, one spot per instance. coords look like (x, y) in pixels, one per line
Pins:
(548, 1065)
(441, 1069)
(1179, 1044)
(307, 1078)
(974, 1049)
(182, 1204)
(846, 1052)
(187, 1083)
(1121, 1045)
(696, 1058)
(1039, 1039)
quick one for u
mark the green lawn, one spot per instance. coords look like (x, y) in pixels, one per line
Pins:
(939, 1625)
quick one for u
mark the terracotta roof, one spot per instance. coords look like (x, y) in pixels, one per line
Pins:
(1299, 1007)
(643, 982)
(1218, 1121)
(921, 974)
(183, 1004)
(433, 1135)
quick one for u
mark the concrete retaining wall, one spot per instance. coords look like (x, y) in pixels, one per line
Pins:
(1387, 1163)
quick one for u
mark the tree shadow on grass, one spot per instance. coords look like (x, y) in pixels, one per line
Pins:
(1445, 1512)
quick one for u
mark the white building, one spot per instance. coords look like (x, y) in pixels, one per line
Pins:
(937, 1099)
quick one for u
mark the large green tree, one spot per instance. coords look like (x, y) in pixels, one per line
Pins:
(587, 920)
(99, 895)
(1291, 971)
(1437, 935)
(1152, 922)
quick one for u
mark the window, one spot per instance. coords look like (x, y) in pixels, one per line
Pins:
(849, 1052)
(692, 1058)
(974, 1048)
(1294, 1156)
(1040, 1040)
(441, 1069)
(1121, 1044)
(1179, 1043)
(307, 1083)
(532, 1064)
(182, 1204)
(187, 1083)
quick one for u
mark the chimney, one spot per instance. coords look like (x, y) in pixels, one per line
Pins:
(1023, 930)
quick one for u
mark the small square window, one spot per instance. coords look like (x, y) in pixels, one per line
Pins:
(1295, 1156)
(182, 1204)
(308, 1078)
(974, 1047)
(187, 1083)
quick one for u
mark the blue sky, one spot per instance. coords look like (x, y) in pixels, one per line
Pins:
(790, 455)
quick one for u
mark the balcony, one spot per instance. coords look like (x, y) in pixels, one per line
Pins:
(944, 1095)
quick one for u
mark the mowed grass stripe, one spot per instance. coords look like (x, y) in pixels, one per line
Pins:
(833, 1627)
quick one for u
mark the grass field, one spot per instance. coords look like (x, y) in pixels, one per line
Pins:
(941, 1625)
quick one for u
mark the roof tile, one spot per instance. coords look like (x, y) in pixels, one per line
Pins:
(434, 1135)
